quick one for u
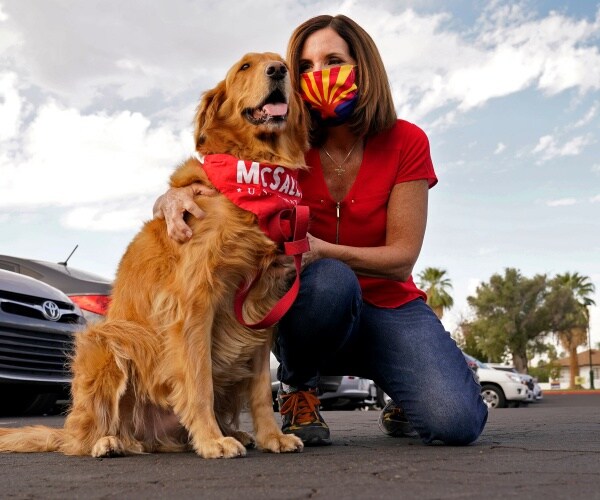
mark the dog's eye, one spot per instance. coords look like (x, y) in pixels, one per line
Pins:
(245, 67)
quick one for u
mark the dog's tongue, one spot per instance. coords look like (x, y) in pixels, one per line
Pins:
(275, 109)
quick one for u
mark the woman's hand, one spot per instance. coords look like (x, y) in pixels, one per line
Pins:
(284, 267)
(173, 205)
(316, 250)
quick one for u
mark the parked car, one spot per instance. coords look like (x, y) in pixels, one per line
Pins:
(530, 382)
(37, 326)
(345, 392)
(89, 291)
(335, 392)
(499, 389)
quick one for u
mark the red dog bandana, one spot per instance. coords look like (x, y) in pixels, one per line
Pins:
(261, 188)
(271, 193)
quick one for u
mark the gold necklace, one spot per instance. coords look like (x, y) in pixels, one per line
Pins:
(339, 169)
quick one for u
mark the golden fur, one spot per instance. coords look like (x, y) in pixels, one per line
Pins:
(171, 368)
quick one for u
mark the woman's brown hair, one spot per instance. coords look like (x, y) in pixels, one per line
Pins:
(374, 110)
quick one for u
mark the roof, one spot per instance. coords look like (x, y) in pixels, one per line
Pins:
(583, 358)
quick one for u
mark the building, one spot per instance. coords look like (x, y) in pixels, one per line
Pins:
(583, 359)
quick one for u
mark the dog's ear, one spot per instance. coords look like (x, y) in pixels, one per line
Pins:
(207, 110)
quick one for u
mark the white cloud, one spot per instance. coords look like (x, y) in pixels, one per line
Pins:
(104, 217)
(562, 202)
(121, 56)
(575, 145)
(486, 251)
(544, 143)
(136, 51)
(499, 148)
(595, 199)
(8, 36)
(70, 158)
(10, 106)
(588, 117)
(508, 51)
(548, 147)
(472, 286)
(560, 48)
(74, 50)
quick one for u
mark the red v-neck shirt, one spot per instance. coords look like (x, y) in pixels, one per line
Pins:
(400, 154)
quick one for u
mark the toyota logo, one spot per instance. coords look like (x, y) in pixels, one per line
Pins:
(51, 311)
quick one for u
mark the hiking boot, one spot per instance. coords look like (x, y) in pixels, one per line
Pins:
(300, 416)
(393, 422)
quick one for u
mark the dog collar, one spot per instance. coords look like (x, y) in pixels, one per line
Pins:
(261, 188)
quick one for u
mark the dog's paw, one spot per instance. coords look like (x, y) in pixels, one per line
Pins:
(243, 437)
(226, 447)
(280, 443)
(107, 447)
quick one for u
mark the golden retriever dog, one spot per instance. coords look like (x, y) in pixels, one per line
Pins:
(171, 368)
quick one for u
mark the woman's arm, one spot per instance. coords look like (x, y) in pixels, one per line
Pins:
(173, 205)
(406, 222)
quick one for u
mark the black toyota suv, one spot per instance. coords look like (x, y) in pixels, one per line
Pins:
(37, 327)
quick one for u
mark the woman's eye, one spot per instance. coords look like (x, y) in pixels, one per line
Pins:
(304, 68)
(244, 67)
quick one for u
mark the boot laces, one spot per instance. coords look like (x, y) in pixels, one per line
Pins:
(302, 405)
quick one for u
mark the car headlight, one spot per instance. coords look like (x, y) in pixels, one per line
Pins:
(514, 378)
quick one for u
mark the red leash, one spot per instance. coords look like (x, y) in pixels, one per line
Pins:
(288, 225)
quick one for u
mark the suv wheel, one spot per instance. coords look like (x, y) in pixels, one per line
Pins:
(493, 396)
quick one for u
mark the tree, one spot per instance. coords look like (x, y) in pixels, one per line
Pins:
(509, 316)
(435, 284)
(547, 370)
(568, 302)
(467, 341)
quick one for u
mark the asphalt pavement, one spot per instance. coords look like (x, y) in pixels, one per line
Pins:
(549, 450)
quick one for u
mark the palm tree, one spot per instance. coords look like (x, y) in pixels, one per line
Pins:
(435, 284)
(578, 320)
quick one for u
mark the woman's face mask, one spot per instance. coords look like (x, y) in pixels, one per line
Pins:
(331, 93)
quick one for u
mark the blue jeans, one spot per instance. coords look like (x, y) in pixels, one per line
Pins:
(406, 351)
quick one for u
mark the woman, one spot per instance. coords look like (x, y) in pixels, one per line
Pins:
(358, 311)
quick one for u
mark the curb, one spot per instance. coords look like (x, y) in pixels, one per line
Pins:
(584, 392)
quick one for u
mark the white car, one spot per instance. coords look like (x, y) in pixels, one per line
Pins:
(500, 389)
(528, 380)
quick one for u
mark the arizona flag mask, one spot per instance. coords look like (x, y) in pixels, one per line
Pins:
(330, 93)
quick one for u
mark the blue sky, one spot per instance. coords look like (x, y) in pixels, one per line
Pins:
(97, 97)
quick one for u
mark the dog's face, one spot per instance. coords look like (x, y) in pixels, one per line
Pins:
(255, 100)
(259, 88)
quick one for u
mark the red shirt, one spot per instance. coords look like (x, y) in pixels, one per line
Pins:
(400, 154)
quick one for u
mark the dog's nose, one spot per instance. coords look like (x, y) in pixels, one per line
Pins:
(276, 70)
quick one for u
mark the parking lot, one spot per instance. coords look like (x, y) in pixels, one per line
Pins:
(549, 450)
